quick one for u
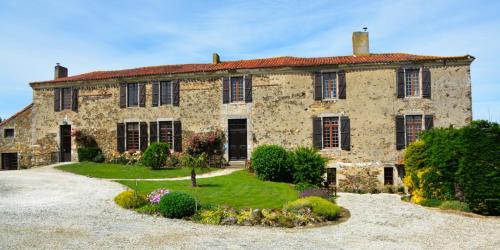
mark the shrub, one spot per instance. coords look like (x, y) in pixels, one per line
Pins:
(303, 186)
(174, 160)
(318, 205)
(430, 202)
(155, 156)
(210, 143)
(177, 205)
(189, 161)
(130, 199)
(83, 139)
(88, 153)
(455, 205)
(155, 196)
(271, 162)
(126, 158)
(318, 192)
(99, 158)
(308, 165)
(148, 209)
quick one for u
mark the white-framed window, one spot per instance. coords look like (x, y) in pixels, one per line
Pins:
(331, 132)
(413, 82)
(132, 136)
(414, 125)
(132, 94)
(237, 89)
(329, 83)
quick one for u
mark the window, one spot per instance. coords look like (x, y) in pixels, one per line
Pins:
(66, 98)
(165, 92)
(331, 176)
(237, 89)
(330, 132)
(329, 85)
(413, 128)
(165, 132)
(132, 136)
(388, 176)
(133, 94)
(412, 82)
(8, 133)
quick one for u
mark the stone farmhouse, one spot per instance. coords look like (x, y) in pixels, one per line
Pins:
(360, 110)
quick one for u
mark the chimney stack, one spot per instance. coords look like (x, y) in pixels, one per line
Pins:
(360, 43)
(215, 58)
(60, 72)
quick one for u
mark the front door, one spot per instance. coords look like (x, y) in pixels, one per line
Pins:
(65, 143)
(237, 139)
(9, 161)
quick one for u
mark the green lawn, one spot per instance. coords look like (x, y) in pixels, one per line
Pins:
(239, 189)
(117, 171)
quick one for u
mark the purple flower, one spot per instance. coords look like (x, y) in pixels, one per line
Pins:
(155, 196)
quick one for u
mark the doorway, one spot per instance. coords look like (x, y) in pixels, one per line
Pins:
(65, 134)
(237, 139)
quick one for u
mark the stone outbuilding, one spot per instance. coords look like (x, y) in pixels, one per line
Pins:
(361, 110)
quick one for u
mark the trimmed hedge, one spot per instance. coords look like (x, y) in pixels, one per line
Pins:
(88, 153)
(177, 205)
(156, 155)
(463, 164)
(308, 166)
(130, 199)
(272, 163)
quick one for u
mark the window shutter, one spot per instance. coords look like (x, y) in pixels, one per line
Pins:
(400, 79)
(248, 88)
(426, 83)
(156, 94)
(123, 95)
(429, 122)
(177, 136)
(225, 90)
(120, 137)
(175, 92)
(317, 133)
(318, 93)
(144, 135)
(345, 133)
(74, 99)
(400, 132)
(57, 99)
(153, 132)
(142, 95)
(342, 85)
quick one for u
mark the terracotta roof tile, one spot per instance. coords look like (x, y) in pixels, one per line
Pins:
(16, 114)
(275, 62)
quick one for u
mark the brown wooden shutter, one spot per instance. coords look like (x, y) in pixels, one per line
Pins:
(400, 132)
(317, 133)
(156, 94)
(400, 79)
(426, 83)
(74, 99)
(318, 90)
(429, 122)
(342, 85)
(144, 135)
(345, 133)
(57, 99)
(177, 136)
(225, 90)
(123, 95)
(153, 132)
(142, 95)
(175, 92)
(120, 137)
(248, 88)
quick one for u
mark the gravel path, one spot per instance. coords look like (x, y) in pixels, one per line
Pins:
(49, 209)
(222, 172)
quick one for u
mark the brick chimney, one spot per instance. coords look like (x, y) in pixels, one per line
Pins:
(215, 58)
(60, 72)
(360, 43)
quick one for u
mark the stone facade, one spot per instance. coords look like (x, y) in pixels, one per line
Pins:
(20, 143)
(280, 113)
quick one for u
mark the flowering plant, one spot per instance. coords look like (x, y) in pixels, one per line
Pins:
(127, 158)
(155, 196)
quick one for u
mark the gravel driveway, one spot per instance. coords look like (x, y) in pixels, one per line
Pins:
(47, 208)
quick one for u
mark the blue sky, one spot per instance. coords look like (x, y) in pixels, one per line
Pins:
(104, 35)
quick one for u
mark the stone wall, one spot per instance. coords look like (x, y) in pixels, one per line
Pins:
(281, 111)
(21, 142)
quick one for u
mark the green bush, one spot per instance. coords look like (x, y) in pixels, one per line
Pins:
(155, 156)
(318, 205)
(99, 158)
(308, 166)
(130, 199)
(148, 209)
(455, 205)
(271, 162)
(88, 153)
(430, 202)
(302, 186)
(177, 205)
(449, 164)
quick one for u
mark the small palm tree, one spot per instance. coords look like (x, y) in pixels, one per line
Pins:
(197, 161)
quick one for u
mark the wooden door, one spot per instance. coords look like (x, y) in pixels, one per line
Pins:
(65, 134)
(9, 161)
(237, 139)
